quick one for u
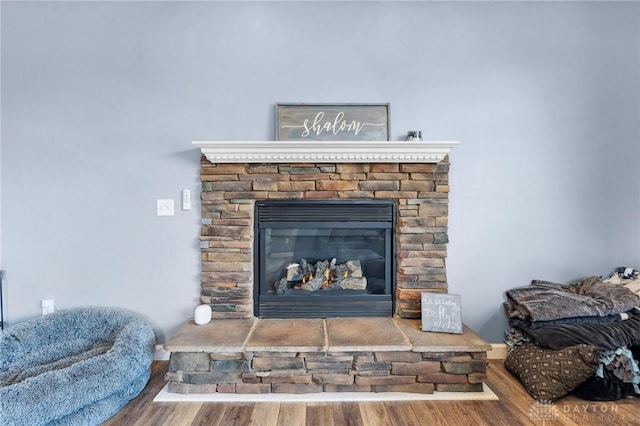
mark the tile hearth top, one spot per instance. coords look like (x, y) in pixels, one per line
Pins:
(319, 335)
(365, 334)
(287, 335)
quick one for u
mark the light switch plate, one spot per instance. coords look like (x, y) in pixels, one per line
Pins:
(165, 207)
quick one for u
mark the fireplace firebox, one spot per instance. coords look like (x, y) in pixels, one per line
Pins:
(324, 258)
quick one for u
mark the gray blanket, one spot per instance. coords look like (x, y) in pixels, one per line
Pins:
(546, 301)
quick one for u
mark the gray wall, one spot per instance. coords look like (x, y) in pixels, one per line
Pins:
(101, 101)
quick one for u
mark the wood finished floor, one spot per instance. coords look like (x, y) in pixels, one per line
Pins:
(514, 407)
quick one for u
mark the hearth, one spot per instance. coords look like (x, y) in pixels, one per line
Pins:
(324, 258)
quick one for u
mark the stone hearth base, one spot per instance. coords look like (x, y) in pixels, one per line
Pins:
(324, 355)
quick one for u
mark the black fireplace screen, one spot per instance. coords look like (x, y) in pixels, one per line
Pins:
(317, 258)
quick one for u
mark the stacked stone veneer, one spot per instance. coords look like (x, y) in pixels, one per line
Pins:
(284, 372)
(229, 192)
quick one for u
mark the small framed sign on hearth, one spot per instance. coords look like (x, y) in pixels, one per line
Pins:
(332, 122)
(441, 313)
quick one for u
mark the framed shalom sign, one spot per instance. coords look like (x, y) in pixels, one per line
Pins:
(332, 122)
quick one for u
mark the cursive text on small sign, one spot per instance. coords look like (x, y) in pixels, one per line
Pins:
(441, 313)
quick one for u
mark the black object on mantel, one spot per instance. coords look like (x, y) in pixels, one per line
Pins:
(414, 135)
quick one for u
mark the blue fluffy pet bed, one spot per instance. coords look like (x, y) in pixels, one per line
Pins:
(73, 367)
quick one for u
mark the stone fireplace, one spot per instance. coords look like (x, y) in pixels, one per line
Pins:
(413, 176)
(317, 197)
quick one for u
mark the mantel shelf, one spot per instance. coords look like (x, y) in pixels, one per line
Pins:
(325, 151)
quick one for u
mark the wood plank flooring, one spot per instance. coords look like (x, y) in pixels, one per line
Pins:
(514, 407)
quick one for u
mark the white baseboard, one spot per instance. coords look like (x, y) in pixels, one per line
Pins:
(498, 351)
(165, 396)
(160, 354)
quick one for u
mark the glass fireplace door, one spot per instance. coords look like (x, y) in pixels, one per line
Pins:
(337, 262)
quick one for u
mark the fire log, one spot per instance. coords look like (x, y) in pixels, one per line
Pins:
(353, 283)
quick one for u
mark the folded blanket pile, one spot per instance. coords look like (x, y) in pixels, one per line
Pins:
(600, 314)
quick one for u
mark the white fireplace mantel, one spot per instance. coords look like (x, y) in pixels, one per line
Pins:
(325, 151)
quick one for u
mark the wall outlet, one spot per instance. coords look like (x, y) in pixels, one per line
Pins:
(48, 306)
